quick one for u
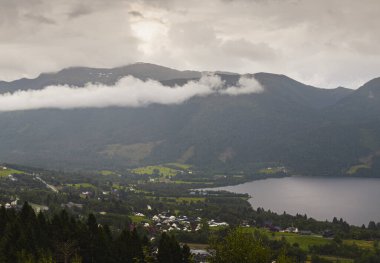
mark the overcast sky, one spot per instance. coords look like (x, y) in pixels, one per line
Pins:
(326, 43)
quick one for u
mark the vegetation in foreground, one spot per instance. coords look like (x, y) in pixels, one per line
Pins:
(123, 201)
(31, 238)
(27, 237)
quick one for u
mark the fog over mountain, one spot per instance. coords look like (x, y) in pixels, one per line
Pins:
(127, 92)
(141, 114)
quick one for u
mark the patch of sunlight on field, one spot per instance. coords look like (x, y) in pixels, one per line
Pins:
(354, 169)
(360, 243)
(179, 165)
(156, 169)
(4, 172)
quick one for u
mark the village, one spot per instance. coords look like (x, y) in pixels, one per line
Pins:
(190, 211)
(164, 222)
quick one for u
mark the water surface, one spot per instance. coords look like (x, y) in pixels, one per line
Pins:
(356, 200)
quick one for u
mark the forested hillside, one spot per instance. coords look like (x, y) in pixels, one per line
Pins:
(306, 129)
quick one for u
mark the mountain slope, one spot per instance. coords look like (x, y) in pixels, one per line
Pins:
(79, 76)
(347, 140)
(288, 124)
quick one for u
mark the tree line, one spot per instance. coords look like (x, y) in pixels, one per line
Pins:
(27, 237)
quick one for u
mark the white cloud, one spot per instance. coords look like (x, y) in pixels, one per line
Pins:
(246, 85)
(127, 92)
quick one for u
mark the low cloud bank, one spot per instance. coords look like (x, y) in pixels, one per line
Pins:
(127, 92)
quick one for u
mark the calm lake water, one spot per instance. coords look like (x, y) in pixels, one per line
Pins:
(356, 200)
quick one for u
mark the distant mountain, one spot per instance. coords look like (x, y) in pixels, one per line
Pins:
(300, 93)
(78, 76)
(364, 104)
(358, 115)
(307, 129)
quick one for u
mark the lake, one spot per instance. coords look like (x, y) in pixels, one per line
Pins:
(356, 200)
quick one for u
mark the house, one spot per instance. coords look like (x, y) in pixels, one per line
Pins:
(39, 208)
(200, 255)
(291, 229)
(139, 214)
(12, 178)
(274, 228)
(72, 205)
(212, 223)
(327, 233)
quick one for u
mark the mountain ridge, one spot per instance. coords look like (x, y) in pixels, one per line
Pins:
(290, 124)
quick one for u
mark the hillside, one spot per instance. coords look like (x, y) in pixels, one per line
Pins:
(308, 129)
(79, 76)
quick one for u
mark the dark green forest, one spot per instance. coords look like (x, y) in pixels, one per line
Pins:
(27, 237)
(35, 238)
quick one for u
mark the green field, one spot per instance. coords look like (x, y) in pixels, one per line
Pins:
(304, 241)
(360, 243)
(179, 199)
(139, 219)
(107, 172)
(338, 259)
(156, 169)
(190, 199)
(181, 166)
(272, 170)
(354, 169)
(8, 171)
(180, 182)
(82, 185)
(117, 186)
(190, 182)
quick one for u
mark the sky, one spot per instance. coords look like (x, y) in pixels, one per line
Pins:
(325, 43)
